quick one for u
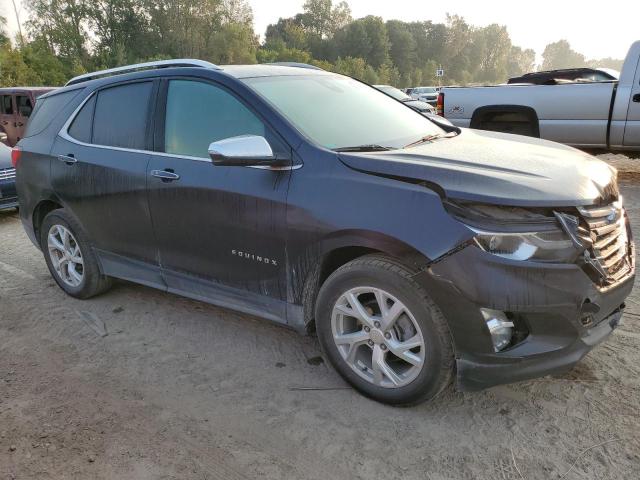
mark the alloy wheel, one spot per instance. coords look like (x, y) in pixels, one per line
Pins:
(378, 337)
(65, 255)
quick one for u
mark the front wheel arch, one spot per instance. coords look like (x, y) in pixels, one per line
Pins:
(338, 256)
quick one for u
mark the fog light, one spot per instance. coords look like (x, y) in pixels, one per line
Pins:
(500, 327)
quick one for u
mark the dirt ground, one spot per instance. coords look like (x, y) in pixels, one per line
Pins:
(139, 384)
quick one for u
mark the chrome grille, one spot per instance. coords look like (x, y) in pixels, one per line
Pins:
(610, 252)
(7, 173)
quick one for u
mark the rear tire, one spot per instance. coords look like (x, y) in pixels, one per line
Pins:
(399, 354)
(69, 256)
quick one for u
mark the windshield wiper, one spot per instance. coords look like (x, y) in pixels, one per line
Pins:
(430, 138)
(364, 148)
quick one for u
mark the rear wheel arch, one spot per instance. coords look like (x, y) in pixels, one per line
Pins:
(517, 119)
(41, 211)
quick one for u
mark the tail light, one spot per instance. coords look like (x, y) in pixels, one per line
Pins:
(16, 153)
(440, 104)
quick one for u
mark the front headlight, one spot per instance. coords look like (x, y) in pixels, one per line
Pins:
(551, 246)
(517, 233)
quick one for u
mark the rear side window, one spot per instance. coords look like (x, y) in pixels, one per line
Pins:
(6, 105)
(24, 105)
(82, 127)
(200, 113)
(47, 109)
(121, 115)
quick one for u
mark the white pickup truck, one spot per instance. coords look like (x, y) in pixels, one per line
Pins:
(586, 115)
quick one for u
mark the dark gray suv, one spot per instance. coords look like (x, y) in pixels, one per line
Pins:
(419, 253)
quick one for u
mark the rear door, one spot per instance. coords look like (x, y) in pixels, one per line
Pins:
(99, 171)
(220, 229)
(632, 129)
(8, 117)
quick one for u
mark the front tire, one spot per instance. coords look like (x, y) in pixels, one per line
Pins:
(69, 256)
(382, 333)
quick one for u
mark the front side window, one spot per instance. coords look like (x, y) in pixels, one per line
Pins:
(6, 105)
(200, 113)
(24, 105)
(338, 112)
(121, 116)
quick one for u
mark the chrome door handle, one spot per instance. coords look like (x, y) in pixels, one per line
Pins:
(68, 159)
(165, 175)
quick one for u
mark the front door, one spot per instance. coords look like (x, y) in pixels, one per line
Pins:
(99, 171)
(632, 129)
(220, 229)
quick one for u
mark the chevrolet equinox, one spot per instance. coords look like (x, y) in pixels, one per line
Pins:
(420, 253)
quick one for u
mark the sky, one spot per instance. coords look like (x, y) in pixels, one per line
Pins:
(591, 28)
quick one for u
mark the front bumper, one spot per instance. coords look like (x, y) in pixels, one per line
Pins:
(564, 314)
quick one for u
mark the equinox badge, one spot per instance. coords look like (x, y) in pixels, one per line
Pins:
(256, 258)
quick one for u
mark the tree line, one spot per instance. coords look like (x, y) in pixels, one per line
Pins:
(63, 38)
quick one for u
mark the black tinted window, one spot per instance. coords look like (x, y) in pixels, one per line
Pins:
(200, 113)
(6, 105)
(121, 114)
(47, 109)
(24, 105)
(82, 126)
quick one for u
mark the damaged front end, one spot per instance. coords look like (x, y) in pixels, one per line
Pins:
(535, 290)
(597, 238)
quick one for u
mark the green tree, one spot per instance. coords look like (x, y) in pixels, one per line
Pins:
(64, 26)
(323, 19)
(364, 38)
(14, 71)
(520, 61)
(614, 63)
(402, 46)
(495, 54)
(4, 38)
(560, 55)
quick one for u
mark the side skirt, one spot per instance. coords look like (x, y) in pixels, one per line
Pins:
(202, 290)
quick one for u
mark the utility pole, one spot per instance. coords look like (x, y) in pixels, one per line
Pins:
(15, 9)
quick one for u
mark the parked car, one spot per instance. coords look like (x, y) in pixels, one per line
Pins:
(399, 95)
(16, 105)
(587, 115)
(425, 94)
(8, 196)
(417, 254)
(555, 77)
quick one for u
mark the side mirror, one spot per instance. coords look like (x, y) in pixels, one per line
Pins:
(243, 151)
(3, 138)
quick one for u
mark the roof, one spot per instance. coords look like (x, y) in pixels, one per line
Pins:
(267, 70)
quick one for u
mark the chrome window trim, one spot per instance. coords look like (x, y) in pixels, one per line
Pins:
(64, 134)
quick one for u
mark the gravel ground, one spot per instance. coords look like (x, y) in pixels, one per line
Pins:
(628, 164)
(138, 384)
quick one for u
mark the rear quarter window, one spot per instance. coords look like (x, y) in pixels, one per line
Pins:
(46, 110)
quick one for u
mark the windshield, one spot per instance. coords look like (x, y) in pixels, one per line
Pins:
(427, 90)
(338, 112)
(395, 93)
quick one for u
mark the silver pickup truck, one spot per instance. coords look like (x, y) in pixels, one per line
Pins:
(587, 115)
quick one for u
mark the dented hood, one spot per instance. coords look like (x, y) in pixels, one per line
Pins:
(489, 167)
